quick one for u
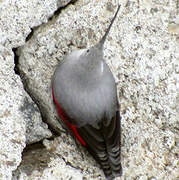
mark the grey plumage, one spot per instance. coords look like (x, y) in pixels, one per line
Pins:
(85, 89)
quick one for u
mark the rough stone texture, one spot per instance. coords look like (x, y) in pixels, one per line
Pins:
(18, 17)
(143, 53)
(12, 127)
(20, 120)
(18, 116)
(36, 130)
(61, 159)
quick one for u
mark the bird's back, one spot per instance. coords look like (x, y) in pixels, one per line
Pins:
(86, 98)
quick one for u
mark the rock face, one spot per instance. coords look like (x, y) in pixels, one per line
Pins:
(61, 159)
(20, 118)
(18, 17)
(142, 51)
(12, 128)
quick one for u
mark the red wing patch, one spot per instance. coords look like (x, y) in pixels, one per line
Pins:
(65, 118)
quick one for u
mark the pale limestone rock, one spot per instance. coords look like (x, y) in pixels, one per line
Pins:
(20, 119)
(144, 58)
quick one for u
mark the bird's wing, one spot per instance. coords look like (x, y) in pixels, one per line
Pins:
(104, 144)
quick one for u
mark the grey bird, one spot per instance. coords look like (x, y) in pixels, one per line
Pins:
(85, 96)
